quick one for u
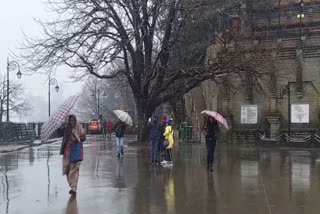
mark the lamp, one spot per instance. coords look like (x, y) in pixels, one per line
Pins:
(57, 88)
(19, 74)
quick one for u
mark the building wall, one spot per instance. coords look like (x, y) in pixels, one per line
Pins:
(286, 67)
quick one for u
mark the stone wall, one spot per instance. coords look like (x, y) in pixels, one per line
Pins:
(296, 65)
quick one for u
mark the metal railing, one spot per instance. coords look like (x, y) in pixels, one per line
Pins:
(295, 138)
(17, 132)
(272, 34)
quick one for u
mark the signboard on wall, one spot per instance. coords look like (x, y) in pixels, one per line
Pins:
(249, 114)
(300, 113)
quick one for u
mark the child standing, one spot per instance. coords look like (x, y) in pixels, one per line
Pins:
(168, 135)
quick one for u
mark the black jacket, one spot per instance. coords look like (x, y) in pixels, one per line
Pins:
(212, 130)
(120, 129)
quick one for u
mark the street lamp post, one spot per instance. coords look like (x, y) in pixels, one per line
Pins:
(97, 99)
(301, 16)
(51, 81)
(98, 102)
(19, 74)
(289, 108)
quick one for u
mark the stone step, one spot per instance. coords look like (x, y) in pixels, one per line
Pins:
(311, 51)
(312, 41)
(287, 53)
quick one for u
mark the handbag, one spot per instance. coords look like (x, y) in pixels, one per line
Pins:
(165, 143)
(76, 152)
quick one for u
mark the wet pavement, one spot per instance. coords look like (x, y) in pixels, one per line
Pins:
(245, 180)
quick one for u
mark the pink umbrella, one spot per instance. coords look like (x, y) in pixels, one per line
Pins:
(217, 116)
(58, 117)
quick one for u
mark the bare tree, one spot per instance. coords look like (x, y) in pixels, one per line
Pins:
(17, 103)
(108, 95)
(133, 40)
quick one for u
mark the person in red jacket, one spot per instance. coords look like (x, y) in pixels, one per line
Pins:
(109, 127)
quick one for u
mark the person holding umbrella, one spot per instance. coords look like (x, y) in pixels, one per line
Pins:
(120, 128)
(109, 127)
(74, 134)
(211, 130)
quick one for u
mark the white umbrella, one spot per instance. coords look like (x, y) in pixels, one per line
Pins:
(124, 117)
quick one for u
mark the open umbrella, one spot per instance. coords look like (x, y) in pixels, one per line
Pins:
(57, 118)
(217, 116)
(124, 117)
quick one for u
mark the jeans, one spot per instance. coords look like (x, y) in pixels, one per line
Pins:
(168, 155)
(154, 149)
(119, 141)
(211, 147)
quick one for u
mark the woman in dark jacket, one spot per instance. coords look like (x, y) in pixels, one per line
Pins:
(211, 131)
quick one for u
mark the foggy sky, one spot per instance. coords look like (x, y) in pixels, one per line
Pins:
(16, 17)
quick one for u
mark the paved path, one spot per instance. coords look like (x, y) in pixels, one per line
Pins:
(13, 146)
(247, 180)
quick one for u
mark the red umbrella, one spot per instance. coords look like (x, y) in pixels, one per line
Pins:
(58, 117)
(218, 117)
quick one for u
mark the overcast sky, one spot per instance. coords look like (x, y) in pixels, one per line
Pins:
(16, 17)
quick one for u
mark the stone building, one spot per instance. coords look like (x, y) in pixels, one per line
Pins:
(290, 31)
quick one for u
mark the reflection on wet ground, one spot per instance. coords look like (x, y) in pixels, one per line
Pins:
(245, 180)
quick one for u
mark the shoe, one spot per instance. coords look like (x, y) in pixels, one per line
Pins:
(118, 155)
(163, 162)
(168, 164)
(211, 169)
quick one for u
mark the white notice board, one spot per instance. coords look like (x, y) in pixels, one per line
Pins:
(300, 113)
(249, 114)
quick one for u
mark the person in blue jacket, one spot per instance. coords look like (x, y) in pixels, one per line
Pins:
(154, 139)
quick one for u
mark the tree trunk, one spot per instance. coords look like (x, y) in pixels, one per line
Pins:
(1, 110)
(144, 113)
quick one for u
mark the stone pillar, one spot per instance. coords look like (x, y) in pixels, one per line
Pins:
(274, 122)
(273, 84)
(299, 71)
(273, 103)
